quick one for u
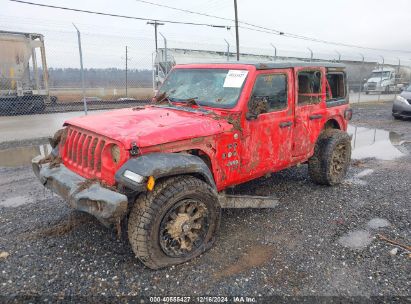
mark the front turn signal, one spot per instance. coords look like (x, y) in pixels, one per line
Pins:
(150, 183)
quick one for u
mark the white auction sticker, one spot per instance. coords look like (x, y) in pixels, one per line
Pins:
(235, 78)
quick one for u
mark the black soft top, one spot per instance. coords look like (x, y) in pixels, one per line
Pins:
(283, 64)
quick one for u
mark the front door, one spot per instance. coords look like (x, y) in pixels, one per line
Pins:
(267, 144)
(310, 110)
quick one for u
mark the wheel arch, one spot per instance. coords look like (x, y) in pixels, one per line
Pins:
(164, 165)
(332, 123)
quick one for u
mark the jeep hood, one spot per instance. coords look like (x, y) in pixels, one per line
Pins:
(151, 125)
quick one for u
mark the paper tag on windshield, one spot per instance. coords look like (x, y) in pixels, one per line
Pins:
(235, 79)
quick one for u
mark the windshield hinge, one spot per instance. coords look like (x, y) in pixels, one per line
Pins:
(134, 149)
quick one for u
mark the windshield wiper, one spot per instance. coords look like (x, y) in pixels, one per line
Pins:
(163, 97)
(188, 101)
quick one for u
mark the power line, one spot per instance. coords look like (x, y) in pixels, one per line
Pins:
(327, 42)
(207, 15)
(267, 30)
(119, 16)
(253, 27)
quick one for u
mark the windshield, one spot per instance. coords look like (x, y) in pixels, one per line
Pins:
(218, 88)
(378, 74)
(408, 89)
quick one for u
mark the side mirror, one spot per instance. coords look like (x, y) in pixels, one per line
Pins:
(250, 116)
(256, 106)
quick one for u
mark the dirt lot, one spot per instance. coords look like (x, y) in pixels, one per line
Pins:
(320, 241)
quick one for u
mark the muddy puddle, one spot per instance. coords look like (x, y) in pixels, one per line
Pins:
(376, 143)
(21, 156)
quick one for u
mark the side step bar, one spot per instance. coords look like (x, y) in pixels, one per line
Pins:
(247, 201)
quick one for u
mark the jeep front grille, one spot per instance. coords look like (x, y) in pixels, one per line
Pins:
(82, 151)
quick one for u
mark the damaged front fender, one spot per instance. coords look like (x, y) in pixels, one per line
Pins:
(161, 165)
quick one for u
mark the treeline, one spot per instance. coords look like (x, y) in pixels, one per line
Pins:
(109, 77)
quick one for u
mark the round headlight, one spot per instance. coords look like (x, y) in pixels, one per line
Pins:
(115, 154)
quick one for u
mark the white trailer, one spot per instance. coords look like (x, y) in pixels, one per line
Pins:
(23, 85)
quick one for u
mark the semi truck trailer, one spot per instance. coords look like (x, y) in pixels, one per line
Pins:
(23, 73)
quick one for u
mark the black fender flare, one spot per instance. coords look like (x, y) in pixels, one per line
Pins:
(161, 165)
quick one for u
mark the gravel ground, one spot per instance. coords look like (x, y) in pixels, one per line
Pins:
(320, 241)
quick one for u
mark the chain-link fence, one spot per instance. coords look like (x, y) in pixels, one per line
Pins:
(115, 73)
(43, 74)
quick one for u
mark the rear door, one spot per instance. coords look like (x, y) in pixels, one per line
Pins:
(310, 110)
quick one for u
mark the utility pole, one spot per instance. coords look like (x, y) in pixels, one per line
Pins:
(156, 24)
(126, 70)
(275, 51)
(361, 76)
(339, 56)
(311, 54)
(382, 71)
(165, 60)
(82, 69)
(228, 50)
(236, 31)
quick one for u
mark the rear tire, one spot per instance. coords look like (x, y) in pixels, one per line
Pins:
(331, 159)
(175, 223)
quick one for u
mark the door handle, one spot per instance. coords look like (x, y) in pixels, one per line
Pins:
(286, 124)
(315, 116)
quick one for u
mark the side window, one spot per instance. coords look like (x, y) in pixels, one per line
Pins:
(271, 88)
(335, 86)
(309, 87)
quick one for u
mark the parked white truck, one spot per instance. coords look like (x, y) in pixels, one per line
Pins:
(385, 80)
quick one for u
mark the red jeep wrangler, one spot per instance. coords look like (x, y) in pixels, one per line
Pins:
(163, 168)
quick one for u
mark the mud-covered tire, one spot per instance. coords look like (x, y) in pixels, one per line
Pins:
(331, 158)
(150, 210)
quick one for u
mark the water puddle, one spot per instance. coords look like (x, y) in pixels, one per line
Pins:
(357, 239)
(360, 239)
(375, 143)
(21, 156)
(377, 223)
(357, 178)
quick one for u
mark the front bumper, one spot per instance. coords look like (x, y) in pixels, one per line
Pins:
(400, 109)
(106, 205)
(374, 89)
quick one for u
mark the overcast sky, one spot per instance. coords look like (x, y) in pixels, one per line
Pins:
(369, 23)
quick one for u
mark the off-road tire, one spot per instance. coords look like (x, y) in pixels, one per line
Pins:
(151, 207)
(327, 154)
